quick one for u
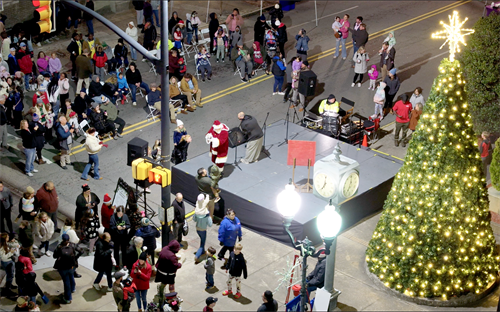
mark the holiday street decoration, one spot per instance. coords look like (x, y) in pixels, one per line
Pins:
(434, 237)
(289, 275)
(453, 33)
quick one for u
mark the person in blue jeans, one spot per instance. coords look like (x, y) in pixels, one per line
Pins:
(66, 255)
(156, 9)
(203, 220)
(344, 29)
(28, 138)
(93, 145)
(210, 268)
(134, 80)
(89, 18)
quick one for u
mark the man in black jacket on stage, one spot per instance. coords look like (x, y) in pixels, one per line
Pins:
(254, 136)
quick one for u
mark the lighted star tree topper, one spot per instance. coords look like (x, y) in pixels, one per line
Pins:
(453, 33)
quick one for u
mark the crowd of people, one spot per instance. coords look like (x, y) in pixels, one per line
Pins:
(123, 241)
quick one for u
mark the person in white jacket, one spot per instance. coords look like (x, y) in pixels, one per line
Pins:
(93, 145)
(44, 231)
(68, 229)
(132, 32)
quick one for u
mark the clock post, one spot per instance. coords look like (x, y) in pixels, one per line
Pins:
(336, 177)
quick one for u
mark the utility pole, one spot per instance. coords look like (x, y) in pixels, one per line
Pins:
(165, 119)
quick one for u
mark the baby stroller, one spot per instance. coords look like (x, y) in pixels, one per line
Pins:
(271, 46)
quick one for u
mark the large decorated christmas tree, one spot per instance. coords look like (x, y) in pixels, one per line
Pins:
(434, 237)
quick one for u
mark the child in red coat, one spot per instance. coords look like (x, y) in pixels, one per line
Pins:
(141, 273)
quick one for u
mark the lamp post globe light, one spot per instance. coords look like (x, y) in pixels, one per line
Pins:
(288, 203)
(329, 223)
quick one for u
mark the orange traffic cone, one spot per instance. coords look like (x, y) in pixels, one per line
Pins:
(365, 141)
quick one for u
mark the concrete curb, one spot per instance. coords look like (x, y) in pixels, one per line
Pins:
(433, 302)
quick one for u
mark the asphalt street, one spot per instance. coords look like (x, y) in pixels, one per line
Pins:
(417, 60)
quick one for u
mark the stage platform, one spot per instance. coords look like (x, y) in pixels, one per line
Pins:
(252, 191)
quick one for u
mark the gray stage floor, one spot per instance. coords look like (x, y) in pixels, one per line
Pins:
(261, 182)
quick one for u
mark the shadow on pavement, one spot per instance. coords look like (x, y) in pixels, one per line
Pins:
(92, 295)
(51, 276)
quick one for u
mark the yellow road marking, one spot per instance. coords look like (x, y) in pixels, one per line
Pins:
(315, 57)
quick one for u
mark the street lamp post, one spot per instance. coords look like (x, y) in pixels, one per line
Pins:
(288, 202)
(329, 222)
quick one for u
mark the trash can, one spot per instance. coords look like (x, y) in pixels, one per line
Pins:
(287, 5)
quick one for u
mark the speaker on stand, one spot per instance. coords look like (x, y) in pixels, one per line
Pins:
(136, 148)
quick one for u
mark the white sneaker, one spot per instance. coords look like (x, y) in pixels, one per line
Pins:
(29, 174)
(274, 93)
(353, 84)
(144, 60)
(369, 88)
(281, 93)
(134, 103)
(48, 253)
(97, 287)
(110, 289)
(34, 170)
(359, 84)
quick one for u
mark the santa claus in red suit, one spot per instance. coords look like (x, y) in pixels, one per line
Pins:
(217, 137)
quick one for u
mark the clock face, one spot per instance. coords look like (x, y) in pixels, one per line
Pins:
(349, 184)
(324, 185)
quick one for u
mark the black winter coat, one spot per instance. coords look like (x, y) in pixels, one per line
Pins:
(138, 4)
(39, 134)
(317, 276)
(102, 257)
(282, 36)
(236, 265)
(251, 128)
(259, 30)
(213, 25)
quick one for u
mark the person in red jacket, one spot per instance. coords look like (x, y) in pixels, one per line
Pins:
(48, 201)
(173, 64)
(107, 211)
(25, 64)
(141, 273)
(402, 109)
(485, 151)
(100, 59)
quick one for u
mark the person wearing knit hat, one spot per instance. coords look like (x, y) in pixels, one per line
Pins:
(141, 273)
(149, 233)
(107, 210)
(316, 279)
(259, 29)
(203, 221)
(181, 143)
(392, 87)
(218, 138)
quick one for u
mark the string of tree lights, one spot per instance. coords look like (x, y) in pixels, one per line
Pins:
(434, 237)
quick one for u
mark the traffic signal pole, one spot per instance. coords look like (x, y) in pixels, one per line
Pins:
(165, 119)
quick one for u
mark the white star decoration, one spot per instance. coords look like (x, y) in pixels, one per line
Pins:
(453, 33)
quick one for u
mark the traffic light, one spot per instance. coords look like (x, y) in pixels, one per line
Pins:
(161, 176)
(140, 169)
(43, 15)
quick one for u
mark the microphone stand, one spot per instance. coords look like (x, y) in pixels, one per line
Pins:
(235, 153)
(264, 128)
(286, 122)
